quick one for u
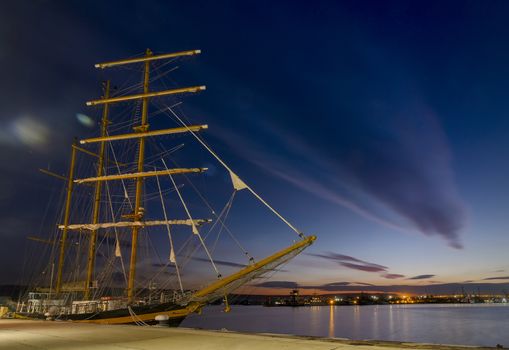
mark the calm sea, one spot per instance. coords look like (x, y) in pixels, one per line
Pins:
(475, 324)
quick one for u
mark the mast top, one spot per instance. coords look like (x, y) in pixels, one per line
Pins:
(148, 57)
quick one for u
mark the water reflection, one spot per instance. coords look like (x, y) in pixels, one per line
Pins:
(391, 320)
(478, 324)
(315, 313)
(376, 331)
(332, 308)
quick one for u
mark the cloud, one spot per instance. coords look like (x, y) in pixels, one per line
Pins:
(367, 268)
(496, 278)
(392, 276)
(338, 284)
(229, 263)
(358, 264)
(421, 277)
(406, 164)
(319, 189)
(403, 164)
(278, 284)
(442, 288)
(221, 262)
(352, 263)
(363, 283)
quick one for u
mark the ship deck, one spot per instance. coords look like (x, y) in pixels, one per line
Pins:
(25, 334)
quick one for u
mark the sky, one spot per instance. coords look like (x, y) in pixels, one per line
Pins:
(381, 127)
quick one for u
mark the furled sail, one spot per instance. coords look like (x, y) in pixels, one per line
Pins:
(187, 222)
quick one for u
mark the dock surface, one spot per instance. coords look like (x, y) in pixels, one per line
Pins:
(28, 334)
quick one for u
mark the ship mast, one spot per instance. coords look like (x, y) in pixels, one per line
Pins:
(67, 211)
(138, 214)
(135, 219)
(97, 194)
(140, 132)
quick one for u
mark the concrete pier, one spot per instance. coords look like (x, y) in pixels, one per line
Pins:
(24, 334)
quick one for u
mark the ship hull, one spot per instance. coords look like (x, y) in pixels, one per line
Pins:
(137, 314)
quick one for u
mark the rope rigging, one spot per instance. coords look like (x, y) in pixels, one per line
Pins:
(172, 257)
(214, 213)
(237, 181)
(111, 218)
(195, 229)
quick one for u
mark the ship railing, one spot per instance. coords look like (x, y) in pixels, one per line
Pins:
(41, 306)
(182, 298)
(89, 306)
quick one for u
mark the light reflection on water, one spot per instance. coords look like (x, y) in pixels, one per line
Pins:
(332, 309)
(477, 324)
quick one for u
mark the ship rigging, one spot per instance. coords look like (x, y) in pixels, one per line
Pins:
(106, 207)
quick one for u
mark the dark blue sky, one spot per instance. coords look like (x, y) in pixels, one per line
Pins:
(380, 126)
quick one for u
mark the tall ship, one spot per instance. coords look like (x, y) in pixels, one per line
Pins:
(137, 237)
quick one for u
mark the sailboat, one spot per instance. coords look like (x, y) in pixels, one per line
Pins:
(94, 274)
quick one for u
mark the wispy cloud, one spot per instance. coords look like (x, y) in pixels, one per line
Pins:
(404, 164)
(228, 263)
(351, 262)
(367, 268)
(446, 288)
(496, 278)
(338, 284)
(318, 189)
(392, 276)
(220, 262)
(278, 284)
(363, 284)
(421, 277)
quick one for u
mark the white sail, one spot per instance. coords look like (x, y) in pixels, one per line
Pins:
(237, 182)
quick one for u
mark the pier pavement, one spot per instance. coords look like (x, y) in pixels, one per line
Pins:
(28, 334)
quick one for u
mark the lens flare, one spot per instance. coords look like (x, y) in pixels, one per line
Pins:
(85, 120)
(30, 132)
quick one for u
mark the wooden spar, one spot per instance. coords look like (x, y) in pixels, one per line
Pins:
(97, 195)
(67, 211)
(145, 134)
(90, 153)
(96, 226)
(196, 305)
(245, 271)
(50, 173)
(146, 95)
(146, 58)
(41, 240)
(139, 179)
(86, 151)
(141, 175)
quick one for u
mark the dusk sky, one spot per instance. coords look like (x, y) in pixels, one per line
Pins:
(380, 126)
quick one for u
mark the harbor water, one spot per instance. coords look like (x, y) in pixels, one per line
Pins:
(462, 324)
